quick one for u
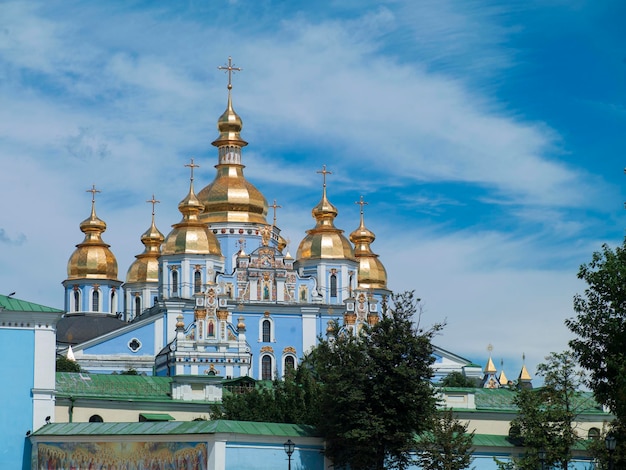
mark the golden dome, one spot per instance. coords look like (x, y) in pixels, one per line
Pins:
(372, 273)
(324, 241)
(190, 235)
(146, 267)
(230, 197)
(92, 258)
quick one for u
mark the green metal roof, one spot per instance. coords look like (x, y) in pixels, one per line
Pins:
(106, 386)
(12, 304)
(491, 440)
(175, 428)
(501, 400)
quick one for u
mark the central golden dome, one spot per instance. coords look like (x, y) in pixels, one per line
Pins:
(324, 241)
(92, 258)
(230, 197)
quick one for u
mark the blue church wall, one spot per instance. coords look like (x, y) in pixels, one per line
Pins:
(262, 456)
(16, 412)
(119, 344)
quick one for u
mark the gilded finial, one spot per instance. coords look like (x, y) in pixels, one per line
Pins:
(93, 192)
(274, 206)
(191, 165)
(490, 348)
(324, 172)
(230, 69)
(153, 202)
(361, 203)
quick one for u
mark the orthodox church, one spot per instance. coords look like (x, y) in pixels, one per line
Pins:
(219, 294)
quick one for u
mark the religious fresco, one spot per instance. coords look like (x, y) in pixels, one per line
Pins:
(122, 456)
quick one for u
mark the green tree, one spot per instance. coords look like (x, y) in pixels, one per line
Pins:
(291, 400)
(447, 446)
(547, 416)
(63, 364)
(375, 389)
(600, 329)
(458, 379)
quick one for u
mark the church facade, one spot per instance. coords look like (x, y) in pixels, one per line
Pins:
(220, 295)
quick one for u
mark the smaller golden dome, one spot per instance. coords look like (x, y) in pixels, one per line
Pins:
(229, 125)
(146, 267)
(190, 235)
(92, 258)
(372, 274)
(325, 241)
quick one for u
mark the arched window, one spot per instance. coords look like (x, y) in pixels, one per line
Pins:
(267, 331)
(333, 285)
(266, 367)
(77, 300)
(290, 363)
(594, 433)
(197, 281)
(137, 306)
(112, 306)
(96, 419)
(174, 283)
(95, 301)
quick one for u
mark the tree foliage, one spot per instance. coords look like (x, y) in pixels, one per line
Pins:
(63, 364)
(446, 446)
(458, 379)
(600, 329)
(547, 416)
(375, 389)
(291, 400)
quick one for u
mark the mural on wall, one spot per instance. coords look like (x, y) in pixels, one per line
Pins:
(122, 456)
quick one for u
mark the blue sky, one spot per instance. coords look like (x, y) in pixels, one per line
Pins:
(487, 138)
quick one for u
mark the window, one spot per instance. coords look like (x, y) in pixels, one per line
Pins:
(266, 367)
(134, 345)
(175, 283)
(95, 301)
(333, 285)
(77, 300)
(267, 329)
(594, 433)
(290, 363)
(96, 419)
(137, 306)
(112, 306)
(197, 281)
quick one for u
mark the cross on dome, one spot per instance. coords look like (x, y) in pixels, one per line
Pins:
(361, 203)
(274, 206)
(191, 165)
(324, 172)
(153, 201)
(230, 69)
(93, 192)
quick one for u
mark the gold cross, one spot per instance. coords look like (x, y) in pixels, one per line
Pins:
(93, 192)
(274, 206)
(361, 203)
(324, 172)
(230, 69)
(153, 201)
(192, 165)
